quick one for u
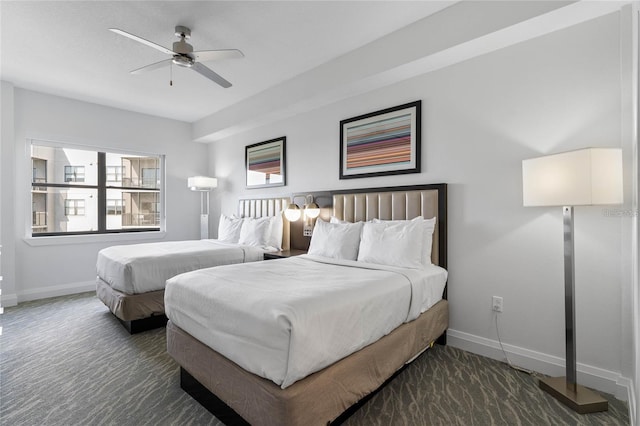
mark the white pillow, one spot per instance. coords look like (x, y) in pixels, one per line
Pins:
(334, 240)
(336, 220)
(394, 244)
(255, 231)
(229, 229)
(274, 239)
(428, 226)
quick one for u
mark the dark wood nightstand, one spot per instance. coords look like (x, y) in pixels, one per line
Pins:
(283, 254)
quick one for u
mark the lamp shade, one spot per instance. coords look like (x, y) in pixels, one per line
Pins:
(202, 183)
(588, 176)
(292, 212)
(312, 210)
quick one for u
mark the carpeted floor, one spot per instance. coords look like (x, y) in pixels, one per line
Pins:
(67, 361)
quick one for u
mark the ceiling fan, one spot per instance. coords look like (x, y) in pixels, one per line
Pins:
(184, 56)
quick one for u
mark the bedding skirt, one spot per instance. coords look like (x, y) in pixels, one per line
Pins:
(130, 307)
(320, 397)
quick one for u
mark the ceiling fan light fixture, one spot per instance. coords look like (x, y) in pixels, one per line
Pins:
(183, 61)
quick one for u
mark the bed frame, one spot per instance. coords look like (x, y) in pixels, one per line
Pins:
(329, 396)
(145, 311)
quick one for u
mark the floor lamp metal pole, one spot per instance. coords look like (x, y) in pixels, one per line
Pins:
(569, 302)
(204, 215)
(566, 389)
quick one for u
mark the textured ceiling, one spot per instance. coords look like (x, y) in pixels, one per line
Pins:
(65, 48)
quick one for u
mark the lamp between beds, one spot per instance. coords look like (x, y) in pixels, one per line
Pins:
(204, 184)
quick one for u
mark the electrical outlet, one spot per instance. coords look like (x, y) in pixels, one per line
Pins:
(496, 304)
(307, 231)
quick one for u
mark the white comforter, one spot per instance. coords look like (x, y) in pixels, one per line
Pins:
(285, 319)
(140, 268)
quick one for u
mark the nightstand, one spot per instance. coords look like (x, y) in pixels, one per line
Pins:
(283, 254)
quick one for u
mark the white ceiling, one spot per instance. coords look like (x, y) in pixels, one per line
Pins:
(65, 48)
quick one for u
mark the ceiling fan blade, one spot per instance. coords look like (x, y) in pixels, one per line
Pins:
(152, 67)
(143, 41)
(210, 75)
(214, 55)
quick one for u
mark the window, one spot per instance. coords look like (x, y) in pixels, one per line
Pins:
(74, 173)
(83, 191)
(114, 207)
(114, 173)
(150, 177)
(73, 207)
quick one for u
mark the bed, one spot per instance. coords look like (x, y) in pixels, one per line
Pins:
(295, 385)
(131, 278)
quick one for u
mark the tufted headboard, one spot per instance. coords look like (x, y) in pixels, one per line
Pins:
(398, 203)
(261, 207)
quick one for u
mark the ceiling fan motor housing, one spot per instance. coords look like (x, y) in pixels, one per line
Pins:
(184, 57)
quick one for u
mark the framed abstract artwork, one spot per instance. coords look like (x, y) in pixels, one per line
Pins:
(265, 163)
(385, 142)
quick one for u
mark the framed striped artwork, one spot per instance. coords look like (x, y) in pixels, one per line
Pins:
(265, 163)
(385, 142)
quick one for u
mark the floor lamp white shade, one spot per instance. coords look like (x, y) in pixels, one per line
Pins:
(203, 184)
(591, 176)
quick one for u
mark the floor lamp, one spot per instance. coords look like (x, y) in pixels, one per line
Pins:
(203, 184)
(591, 176)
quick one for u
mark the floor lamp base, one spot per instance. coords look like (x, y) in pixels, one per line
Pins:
(580, 399)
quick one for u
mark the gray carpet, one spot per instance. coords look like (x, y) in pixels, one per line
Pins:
(67, 361)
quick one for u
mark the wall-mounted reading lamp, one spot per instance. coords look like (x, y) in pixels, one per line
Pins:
(309, 212)
(292, 212)
(203, 184)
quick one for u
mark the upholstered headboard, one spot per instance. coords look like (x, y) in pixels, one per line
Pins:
(261, 207)
(398, 203)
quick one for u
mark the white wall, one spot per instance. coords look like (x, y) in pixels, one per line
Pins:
(480, 119)
(44, 267)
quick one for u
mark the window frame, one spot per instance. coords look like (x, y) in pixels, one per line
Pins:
(101, 187)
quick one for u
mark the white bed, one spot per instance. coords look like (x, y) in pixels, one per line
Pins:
(141, 268)
(282, 327)
(299, 340)
(131, 278)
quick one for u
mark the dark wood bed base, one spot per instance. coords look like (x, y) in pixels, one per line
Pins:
(143, 324)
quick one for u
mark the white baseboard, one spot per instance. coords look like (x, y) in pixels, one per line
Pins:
(632, 406)
(593, 377)
(52, 291)
(8, 300)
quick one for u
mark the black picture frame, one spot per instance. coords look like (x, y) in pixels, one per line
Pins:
(265, 163)
(381, 143)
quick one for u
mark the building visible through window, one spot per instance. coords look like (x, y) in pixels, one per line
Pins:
(73, 207)
(114, 207)
(78, 190)
(74, 173)
(114, 173)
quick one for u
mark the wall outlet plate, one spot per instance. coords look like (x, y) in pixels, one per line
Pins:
(307, 231)
(496, 303)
